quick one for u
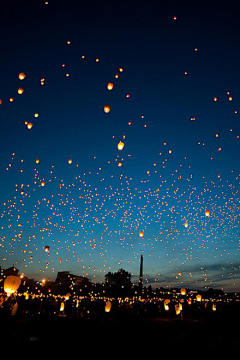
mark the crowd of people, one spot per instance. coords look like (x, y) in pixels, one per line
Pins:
(88, 307)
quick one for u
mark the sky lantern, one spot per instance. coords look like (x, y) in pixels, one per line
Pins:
(207, 213)
(29, 125)
(46, 249)
(183, 291)
(70, 161)
(22, 192)
(214, 99)
(0, 101)
(106, 108)
(36, 114)
(37, 161)
(120, 163)
(166, 304)
(21, 76)
(120, 69)
(186, 224)
(141, 233)
(108, 306)
(120, 145)
(230, 98)
(11, 99)
(199, 297)
(20, 90)
(109, 86)
(43, 183)
(11, 284)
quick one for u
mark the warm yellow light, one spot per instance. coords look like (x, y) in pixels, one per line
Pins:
(20, 90)
(21, 76)
(207, 213)
(199, 297)
(110, 86)
(120, 145)
(70, 161)
(106, 108)
(29, 125)
(108, 306)
(141, 233)
(183, 291)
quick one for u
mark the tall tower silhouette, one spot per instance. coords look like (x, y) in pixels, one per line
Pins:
(140, 282)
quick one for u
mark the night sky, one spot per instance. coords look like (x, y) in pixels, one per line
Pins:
(174, 66)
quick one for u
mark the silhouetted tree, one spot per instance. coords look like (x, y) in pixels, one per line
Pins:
(118, 283)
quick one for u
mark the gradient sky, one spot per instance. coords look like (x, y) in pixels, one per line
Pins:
(181, 153)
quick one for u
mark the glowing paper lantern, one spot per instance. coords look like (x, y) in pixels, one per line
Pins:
(21, 76)
(36, 114)
(186, 224)
(183, 291)
(207, 213)
(43, 183)
(70, 161)
(29, 125)
(37, 161)
(166, 306)
(199, 297)
(120, 163)
(141, 233)
(215, 99)
(46, 249)
(106, 108)
(67, 296)
(109, 86)
(20, 90)
(108, 306)
(11, 284)
(120, 145)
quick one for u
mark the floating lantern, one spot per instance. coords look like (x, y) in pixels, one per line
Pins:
(120, 163)
(207, 213)
(199, 297)
(108, 306)
(183, 291)
(46, 249)
(37, 161)
(120, 145)
(29, 125)
(43, 183)
(166, 306)
(11, 284)
(106, 108)
(186, 224)
(109, 86)
(21, 76)
(36, 114)
(70, 161)
(141, 233)
(214, 99)
(20, 90)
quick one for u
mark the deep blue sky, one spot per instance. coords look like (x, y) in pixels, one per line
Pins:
(90, 212)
